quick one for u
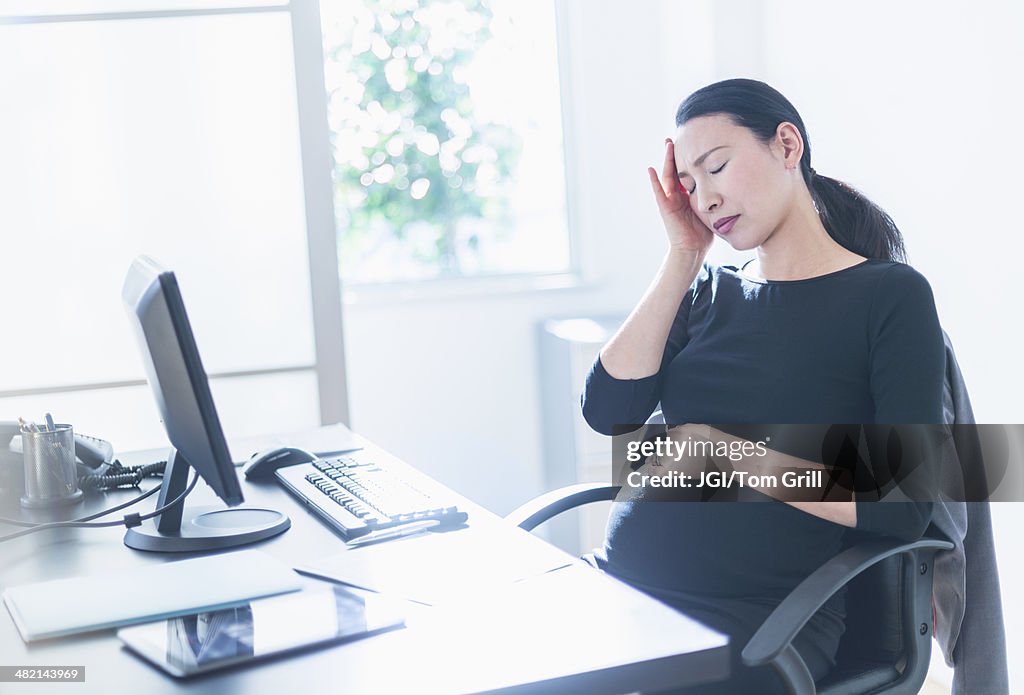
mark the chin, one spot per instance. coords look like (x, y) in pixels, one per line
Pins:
(741, 243)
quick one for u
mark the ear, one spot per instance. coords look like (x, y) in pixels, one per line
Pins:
(790, 144)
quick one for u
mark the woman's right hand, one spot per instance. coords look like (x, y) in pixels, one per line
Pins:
(685, 230)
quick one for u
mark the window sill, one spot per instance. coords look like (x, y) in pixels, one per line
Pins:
(461, 288)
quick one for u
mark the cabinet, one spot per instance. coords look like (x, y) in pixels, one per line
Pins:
(572, 451)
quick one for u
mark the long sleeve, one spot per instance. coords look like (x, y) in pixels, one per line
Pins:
(907, 372)
(615, 406)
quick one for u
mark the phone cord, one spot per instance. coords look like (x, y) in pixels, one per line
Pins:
(121, 476)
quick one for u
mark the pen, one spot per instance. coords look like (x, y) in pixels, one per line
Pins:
(394, 532)
(50, 427)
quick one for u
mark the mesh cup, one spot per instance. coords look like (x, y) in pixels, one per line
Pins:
(51, 477)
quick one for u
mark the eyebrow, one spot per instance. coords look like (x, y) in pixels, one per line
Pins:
(700, 159)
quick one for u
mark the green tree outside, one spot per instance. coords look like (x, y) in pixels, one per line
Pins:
(413, 163)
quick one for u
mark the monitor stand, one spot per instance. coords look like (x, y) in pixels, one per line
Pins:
(182, 530)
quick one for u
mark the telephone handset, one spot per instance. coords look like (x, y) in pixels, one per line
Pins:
(91, 453)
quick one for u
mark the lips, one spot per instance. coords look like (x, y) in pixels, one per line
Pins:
(725, 224)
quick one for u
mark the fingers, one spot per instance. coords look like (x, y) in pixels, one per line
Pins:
(659, 192)
(668, 190)
(669, 174)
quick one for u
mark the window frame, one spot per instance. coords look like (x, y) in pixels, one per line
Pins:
(315, 155)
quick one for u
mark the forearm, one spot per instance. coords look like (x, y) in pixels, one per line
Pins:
(636, 349)
(766, 472)
(842, 513)
(769, 469)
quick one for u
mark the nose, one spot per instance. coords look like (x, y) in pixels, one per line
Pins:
(708, 199)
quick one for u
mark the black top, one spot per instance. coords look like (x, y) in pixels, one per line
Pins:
(859, 345)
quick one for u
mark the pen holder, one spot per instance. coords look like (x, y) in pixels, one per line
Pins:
(51, 476)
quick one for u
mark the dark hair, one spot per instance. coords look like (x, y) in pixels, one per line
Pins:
(849, 217)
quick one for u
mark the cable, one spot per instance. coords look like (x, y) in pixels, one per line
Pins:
(130, 520)
(135, 500)
(116, 475)
(122, 475)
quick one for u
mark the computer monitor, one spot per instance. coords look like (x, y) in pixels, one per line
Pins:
(182, 392)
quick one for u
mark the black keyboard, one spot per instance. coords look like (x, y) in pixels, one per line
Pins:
(357, 495)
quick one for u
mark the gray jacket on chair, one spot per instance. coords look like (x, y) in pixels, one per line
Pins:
(968, 608)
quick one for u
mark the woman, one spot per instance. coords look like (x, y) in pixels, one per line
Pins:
(825, 325)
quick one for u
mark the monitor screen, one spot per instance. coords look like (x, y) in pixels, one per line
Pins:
(176, 375)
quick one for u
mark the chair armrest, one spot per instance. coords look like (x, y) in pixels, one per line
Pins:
(532, 514)
(538, 510)
(782, 625)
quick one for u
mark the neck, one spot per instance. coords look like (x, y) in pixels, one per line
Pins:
(801, 247)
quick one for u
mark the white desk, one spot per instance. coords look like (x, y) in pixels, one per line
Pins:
(571, 629)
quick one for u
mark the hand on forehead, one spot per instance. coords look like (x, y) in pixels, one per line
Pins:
(696, 139)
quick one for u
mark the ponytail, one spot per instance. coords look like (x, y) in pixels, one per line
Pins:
(853, 221)
(850, 218)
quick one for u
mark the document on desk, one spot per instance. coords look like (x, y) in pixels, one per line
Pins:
(81, 604)
(435, 568)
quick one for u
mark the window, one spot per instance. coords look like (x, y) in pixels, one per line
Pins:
(172, 134)
(446, 129)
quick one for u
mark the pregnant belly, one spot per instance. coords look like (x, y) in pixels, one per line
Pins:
(725, 549)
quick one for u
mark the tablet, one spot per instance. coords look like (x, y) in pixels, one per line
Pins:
(201, 642)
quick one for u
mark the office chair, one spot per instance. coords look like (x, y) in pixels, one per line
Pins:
(887, 644)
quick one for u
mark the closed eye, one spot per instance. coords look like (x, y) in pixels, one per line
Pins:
(691, 190)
